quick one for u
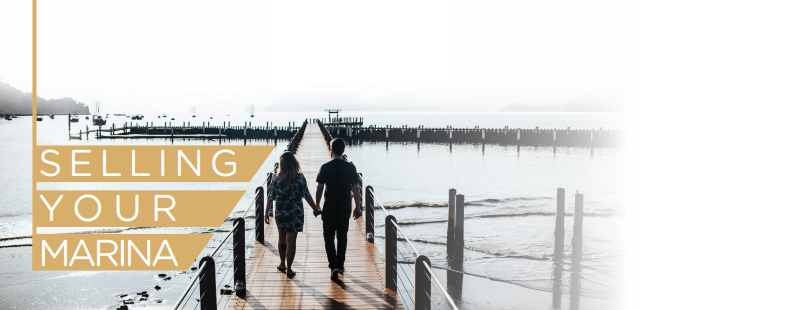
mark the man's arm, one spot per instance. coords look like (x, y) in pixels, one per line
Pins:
(356, 190)
(318, 191)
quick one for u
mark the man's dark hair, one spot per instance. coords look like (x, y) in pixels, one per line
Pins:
(337, 145)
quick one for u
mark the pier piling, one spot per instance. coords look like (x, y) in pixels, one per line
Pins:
(459, 232)
(577, 229)
(559, 217)
(451, 222)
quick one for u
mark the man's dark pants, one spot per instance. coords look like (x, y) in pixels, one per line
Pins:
(333, 227)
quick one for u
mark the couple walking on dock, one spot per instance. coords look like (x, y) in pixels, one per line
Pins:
(288, 187)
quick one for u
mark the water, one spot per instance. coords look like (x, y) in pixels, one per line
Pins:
(509, 190)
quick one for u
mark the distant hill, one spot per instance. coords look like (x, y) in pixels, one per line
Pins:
(14, 101)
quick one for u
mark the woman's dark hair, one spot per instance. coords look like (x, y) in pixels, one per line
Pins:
(289, 169)
(337, 145)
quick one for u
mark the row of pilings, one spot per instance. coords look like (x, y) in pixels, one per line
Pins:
(519, 136)
(227, 132)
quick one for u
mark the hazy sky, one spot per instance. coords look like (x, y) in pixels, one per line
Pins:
(176, 54)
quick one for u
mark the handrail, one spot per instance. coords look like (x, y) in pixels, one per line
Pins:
(236, 234)
(188, 287)
(231, 232)
(444, 292)
(406, 238)
(253, 203)
(382, 206)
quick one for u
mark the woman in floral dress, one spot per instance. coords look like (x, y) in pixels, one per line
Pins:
(287, 187)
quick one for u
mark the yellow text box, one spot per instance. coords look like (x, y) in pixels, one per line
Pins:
(116, 251)
(118, 208)
(151, 163)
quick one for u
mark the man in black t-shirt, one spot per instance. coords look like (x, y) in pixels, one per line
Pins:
(341, 179)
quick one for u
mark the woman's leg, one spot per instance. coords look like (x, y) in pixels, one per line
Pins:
(282, 247)
(291, 250)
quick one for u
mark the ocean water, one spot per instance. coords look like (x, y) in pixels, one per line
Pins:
(509, 193)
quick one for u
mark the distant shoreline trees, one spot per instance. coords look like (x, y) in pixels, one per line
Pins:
(14, 101)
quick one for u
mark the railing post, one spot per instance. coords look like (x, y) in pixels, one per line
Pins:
(360, 184)
(577, 229)
(422, 283)
(459, 232)
(391, 253)
(239, 256)
(451, 221)
(560, 214)
(370, 214)
(260, 215)
(208, 285)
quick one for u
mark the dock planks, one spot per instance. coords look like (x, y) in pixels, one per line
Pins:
(361, 287)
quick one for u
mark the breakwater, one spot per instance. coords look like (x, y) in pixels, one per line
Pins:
(205, 131)
(357, 134)
(506, 135)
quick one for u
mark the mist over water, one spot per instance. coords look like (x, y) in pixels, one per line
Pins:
(509, 193)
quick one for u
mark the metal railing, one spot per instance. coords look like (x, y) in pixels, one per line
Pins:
(425, 281)
(294, 143)
(216, 293)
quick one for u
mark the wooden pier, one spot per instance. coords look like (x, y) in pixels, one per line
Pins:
(361, 287)
(148, 130)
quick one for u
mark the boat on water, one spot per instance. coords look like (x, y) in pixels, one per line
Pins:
(39, 118)
(51, 116)
(137, 117)
(99, 121)
(173, 118)
(119, 114)
(87, 117)
(74, 119)
(164, 115)
(8, 118)
(211, 117)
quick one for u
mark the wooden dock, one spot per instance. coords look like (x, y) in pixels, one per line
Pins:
(361, 287)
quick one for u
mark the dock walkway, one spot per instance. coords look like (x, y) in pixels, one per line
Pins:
(361, 287)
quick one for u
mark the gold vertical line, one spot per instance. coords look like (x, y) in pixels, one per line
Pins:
(34, 105)
(34, 75)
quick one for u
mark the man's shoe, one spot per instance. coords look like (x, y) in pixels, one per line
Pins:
(334, 274)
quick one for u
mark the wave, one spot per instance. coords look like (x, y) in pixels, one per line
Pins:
(15, 238)
(15, 245)
(481, 202)
(544, 213)
(583, 291)
(416, 204)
